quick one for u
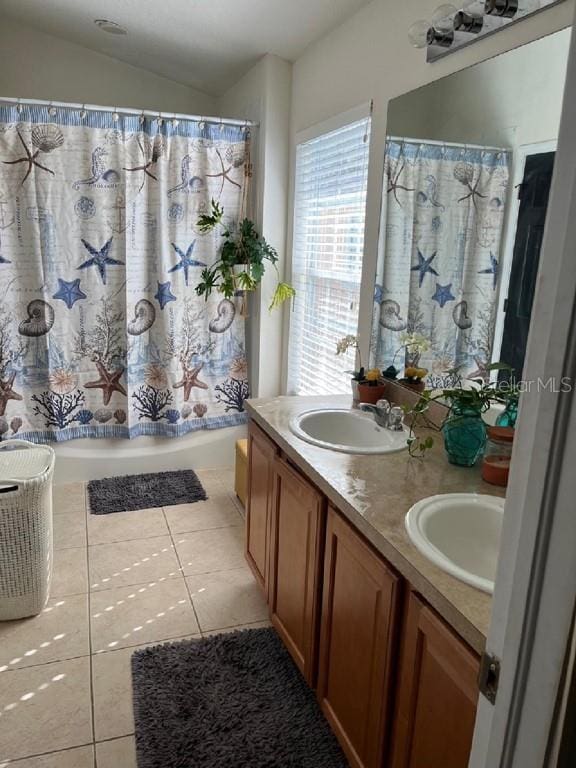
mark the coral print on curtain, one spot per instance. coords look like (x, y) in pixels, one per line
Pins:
(101, 332)
(438, 269)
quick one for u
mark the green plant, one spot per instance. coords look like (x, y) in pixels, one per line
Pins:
(245, 248)
(477, 397)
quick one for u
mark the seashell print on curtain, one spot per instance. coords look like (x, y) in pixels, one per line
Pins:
(101, 332)
(438, 273)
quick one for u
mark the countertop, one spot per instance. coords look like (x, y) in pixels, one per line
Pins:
(375, 492)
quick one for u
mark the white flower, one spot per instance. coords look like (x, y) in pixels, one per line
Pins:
(346, 343)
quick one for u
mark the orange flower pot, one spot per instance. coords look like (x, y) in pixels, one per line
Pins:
(371, 394)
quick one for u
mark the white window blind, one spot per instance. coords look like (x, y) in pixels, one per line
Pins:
(328, 247)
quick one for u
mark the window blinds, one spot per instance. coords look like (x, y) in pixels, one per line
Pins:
(328, 247)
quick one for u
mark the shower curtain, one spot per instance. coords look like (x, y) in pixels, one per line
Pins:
(101, 331)
(438, 269)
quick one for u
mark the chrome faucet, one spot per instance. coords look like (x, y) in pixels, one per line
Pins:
(385, 415)
(381, 411)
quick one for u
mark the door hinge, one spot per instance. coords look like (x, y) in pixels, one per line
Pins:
(489, 676)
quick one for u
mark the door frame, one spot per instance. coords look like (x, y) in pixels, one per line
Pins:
(535, 589)
(519, 157)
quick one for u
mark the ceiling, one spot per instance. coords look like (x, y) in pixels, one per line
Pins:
(205, 44)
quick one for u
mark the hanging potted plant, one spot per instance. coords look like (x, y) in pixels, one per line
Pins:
(242, 262)
(463, 429)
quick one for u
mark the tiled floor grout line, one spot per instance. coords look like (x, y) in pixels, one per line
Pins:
(219, 490)
(51, 752)
(92, 707)
(181, 567)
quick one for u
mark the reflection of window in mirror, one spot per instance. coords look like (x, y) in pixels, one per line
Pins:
(468, 168)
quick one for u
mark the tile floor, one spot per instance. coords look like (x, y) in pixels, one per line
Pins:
(121, 581)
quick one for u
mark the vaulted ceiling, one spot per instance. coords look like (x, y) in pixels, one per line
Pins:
(206, 44)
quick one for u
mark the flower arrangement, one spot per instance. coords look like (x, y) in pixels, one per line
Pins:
(242, 261)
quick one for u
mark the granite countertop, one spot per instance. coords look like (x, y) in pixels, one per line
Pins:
(375, 492)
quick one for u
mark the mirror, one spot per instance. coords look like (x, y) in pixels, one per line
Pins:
(468, 168)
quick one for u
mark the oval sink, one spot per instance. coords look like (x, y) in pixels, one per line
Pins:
(460, 533)
(346, 431)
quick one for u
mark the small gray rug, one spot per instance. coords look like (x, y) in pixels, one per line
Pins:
(156, 489)
(228, 701)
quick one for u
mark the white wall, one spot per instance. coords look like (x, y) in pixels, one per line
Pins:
(263, 95)
(34, 65)
(509, 101)
(369, 57)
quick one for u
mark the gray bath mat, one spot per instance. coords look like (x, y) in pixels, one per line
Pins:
(156, 489)
(228, 701)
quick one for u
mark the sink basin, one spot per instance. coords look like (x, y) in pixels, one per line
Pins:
(346, 431)
(460, 533)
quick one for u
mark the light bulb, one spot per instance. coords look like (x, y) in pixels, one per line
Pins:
(474, 8)
(420, 34)
(443, 18)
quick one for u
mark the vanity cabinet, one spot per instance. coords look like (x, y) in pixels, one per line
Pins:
(397, 685)
(437, 694)
(359, 628)
(296, 547)
(261, 454)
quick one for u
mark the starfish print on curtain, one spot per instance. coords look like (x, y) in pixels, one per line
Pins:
(190, 380)
(109, 382)
(101, 331)
(186, 260)
(100, 258)
(424, 267)
(491, 270)
(69, 292)
(45, 139)
(432, 254)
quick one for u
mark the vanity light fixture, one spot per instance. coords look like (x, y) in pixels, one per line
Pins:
(452, 28)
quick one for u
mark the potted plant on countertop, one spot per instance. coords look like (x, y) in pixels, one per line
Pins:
(242, 262)
(414, 378)
(367, 386)
(463, 429)
(413, 345)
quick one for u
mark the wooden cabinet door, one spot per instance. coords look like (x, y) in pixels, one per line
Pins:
(357, 642)
(437, 694)
(261, 453)
(297, 531)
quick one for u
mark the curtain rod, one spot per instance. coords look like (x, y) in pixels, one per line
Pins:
(461, 145)
(129, 111)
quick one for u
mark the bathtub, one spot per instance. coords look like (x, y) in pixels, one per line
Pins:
(91, 459)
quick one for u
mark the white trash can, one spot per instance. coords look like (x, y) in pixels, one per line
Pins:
(26, 549)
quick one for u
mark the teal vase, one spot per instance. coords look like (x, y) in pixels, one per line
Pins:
(464, 436)
(509, 415)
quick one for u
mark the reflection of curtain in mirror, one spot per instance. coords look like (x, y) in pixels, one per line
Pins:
(438, 267)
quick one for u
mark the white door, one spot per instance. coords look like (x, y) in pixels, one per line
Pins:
(536, 583)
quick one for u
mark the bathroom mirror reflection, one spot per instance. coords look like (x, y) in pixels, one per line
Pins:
(468, 167)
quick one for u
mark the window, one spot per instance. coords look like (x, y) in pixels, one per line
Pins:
(328, 247)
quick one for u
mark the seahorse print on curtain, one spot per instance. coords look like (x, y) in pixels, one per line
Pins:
(101, 331)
